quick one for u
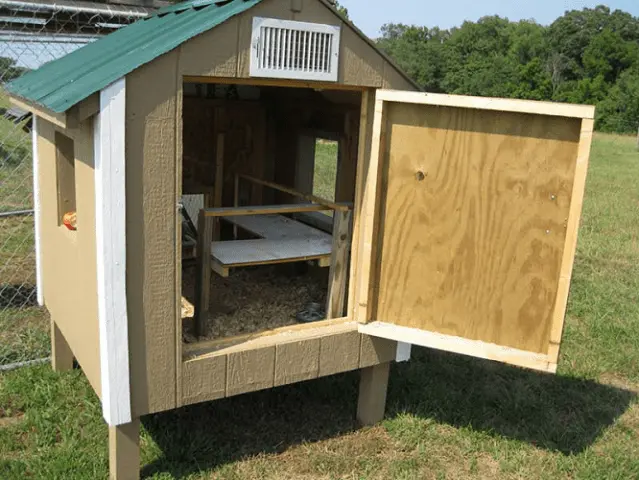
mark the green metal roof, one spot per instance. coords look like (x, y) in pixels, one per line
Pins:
(62, 83)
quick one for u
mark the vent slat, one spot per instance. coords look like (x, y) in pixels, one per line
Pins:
(289, 49)
(307, 53)
(320, 53)
(287, 43)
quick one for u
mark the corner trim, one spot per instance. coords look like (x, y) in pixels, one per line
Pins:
(37, 210)
(110, 205)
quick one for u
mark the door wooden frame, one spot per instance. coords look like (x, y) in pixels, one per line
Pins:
(367, 234)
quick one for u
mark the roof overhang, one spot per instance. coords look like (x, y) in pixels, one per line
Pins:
(70, 119)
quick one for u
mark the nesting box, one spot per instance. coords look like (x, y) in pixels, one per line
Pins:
(184, 150)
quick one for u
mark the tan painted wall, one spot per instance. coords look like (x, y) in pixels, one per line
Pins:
(225, 50)
(69, 278)
(153, 156)
(151, 133)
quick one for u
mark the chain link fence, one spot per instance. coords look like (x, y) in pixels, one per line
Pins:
(32, 33)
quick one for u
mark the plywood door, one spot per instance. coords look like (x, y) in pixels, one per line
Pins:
(469, 228)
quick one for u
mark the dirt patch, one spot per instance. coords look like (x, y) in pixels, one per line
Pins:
(9, 417)
(254, 299)
(618, 381)
(9, 421)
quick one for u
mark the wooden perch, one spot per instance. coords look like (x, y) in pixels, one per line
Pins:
(339, 207)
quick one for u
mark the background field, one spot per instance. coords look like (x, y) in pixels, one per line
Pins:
(448, 416)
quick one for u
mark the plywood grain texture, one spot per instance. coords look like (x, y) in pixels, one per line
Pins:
(151, 229)
(481, 200)
(69, 258)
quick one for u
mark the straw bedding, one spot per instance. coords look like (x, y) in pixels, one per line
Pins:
(253, 299)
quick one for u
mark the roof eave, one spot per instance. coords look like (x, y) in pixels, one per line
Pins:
(68, 119)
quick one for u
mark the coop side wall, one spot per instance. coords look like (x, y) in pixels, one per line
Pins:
(69, 277)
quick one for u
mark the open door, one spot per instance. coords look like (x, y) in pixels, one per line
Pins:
(469, 224)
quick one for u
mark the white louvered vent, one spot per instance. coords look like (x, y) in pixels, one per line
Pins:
(298, 50)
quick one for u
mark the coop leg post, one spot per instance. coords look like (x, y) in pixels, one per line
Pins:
(372, 394)
(124, 451)
(61, 354)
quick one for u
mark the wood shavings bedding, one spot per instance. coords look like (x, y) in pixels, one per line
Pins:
(253, 299)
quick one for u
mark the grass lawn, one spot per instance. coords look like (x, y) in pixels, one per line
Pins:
(448, 416)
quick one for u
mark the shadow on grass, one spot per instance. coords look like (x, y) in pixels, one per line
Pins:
(552, 412)
(17, 296)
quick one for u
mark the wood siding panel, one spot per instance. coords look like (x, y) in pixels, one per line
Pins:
(69, 258)
(394, 80)
(298, 361)
(339, 353)
(482, 200)
(204, 379)
(151, 218)
(213, 53)
(360, 64)
(279, 359)
(250, 370)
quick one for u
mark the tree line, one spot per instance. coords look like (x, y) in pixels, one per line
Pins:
(586, 56)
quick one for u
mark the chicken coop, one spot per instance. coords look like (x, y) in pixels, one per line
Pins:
(236, 195)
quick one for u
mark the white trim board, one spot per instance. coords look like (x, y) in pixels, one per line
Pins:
(402, 354)
(449, 343)
(110, 205)
(37, 210)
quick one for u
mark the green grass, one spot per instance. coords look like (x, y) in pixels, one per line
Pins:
(325, 173)
(448, 416)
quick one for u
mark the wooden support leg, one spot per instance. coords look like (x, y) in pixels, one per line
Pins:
(339, 265)
(124, 451)
(372, 394)
(61, 354)
(203, 279)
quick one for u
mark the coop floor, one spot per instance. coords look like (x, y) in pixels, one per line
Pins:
(253, 299)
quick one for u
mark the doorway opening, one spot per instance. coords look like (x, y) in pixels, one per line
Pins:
(257, 245)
